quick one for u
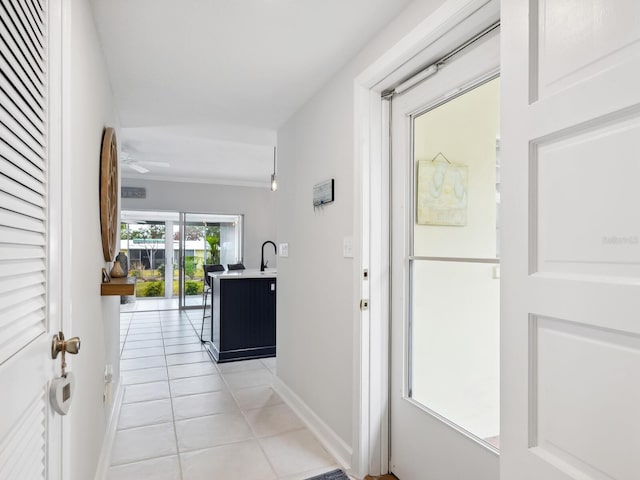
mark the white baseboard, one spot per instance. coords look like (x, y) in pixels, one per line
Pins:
(337, 447)
(104, 460)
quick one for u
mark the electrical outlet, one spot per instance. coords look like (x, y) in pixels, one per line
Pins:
(284, 250)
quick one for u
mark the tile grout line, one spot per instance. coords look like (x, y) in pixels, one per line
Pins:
(232, 392)
(173, 414)
(233, 395)
(253, 432)
(172, 422)
(126, 336)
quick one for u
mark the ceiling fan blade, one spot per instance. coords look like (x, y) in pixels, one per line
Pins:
(137, 168)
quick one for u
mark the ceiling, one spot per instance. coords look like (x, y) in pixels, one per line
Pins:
(203, 85)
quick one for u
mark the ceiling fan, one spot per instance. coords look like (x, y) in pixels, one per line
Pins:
(129, 161)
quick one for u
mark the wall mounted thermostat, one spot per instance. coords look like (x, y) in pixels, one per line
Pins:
(62, 388)
(61, 393)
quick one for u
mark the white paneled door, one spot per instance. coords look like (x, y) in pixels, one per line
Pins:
(444, 333)
(30, 434)
(571, 243)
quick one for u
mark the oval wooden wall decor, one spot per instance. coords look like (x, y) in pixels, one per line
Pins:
(109, 194)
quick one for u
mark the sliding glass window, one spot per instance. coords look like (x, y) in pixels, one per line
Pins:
(168, 250)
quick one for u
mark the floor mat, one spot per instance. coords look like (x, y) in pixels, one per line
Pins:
(334, 475)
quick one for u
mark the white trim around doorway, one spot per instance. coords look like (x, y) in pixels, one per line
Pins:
(450, 25)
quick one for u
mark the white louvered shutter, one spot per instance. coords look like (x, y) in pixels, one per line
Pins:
(23, 174)
(25, 370)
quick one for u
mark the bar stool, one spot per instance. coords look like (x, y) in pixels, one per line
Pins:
(206, 291)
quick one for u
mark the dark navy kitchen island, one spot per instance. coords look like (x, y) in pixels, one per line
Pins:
(243, 320)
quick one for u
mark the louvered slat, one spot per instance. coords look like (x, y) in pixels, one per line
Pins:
(20, 110)
(20, 221)
(30, 28)
(19, 335)
(19, 71)
(15, 437)
(22, 139)
(12, 187)
(20, 252)
(20, 464)
(8, 269)
(25, 66)
(17, 282)
(24, 448)
(39, 9)
(21, 303)
(16, 15)
(35, 17)
(27, 309)
(22, 115)
(24, 365)
(30, 328)
(15, 204)
(25, 71)
(13, 82)
(22, 151)
(21, 237)
(19, 55)
(22, 178)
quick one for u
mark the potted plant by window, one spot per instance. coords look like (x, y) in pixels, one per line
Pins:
(213, 240)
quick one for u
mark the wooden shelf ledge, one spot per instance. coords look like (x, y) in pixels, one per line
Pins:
(119, 286)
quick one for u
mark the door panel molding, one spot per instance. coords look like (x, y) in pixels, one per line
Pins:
(571, 254)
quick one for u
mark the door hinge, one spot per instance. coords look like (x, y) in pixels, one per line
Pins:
(364, 304)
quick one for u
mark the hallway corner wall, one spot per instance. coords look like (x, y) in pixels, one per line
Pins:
(317, 351)
(256, 204)
(88, 109)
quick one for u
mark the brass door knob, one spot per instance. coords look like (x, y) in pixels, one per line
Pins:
(59, 344)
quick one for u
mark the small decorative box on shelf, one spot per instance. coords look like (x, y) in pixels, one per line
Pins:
(119, 286)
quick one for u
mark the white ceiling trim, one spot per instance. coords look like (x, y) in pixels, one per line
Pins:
(213, 181)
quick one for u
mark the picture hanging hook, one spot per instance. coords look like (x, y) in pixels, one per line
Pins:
(440, 154)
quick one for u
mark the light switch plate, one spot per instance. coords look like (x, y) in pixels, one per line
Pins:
(284, 250)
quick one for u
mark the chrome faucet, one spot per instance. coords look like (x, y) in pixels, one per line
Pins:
(263, 264)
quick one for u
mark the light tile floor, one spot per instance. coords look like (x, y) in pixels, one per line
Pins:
(186, 418)
(152, 304)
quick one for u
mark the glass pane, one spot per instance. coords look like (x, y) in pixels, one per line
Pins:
(209, 239)
(455, 163)
(144, 239)
(454, 340)
(176, 260)
(455, 361)
(146, 242)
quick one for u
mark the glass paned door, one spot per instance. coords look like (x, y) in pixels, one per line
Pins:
(444, 382)
(206, 239)
(148, 238)
(454, 330)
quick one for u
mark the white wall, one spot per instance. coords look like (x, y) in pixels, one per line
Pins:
(456, 306)
(88, 109)
(315, 283)
(256, 204)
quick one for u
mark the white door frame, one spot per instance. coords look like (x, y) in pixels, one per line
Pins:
(58, 214)
(450, 25)
(62, 59)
